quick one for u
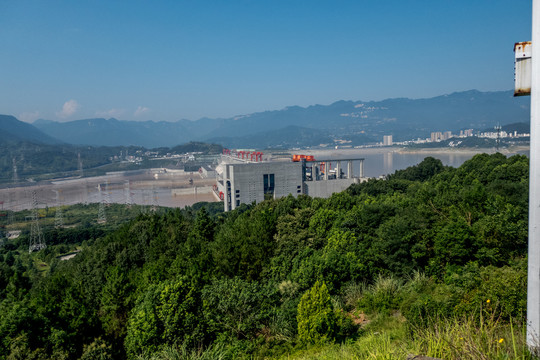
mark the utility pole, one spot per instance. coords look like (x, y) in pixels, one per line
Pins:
(533, 286)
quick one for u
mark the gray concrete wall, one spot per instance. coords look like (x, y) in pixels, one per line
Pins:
(247, 179)
(325, 188)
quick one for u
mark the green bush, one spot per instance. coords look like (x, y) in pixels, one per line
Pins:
(166, 314)
(384, 295)
(317, 321)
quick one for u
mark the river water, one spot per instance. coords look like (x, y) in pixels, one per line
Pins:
(384, 161)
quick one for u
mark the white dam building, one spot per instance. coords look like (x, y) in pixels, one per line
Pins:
(243, 181)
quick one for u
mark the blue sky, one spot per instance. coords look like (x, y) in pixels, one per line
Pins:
(171, 60)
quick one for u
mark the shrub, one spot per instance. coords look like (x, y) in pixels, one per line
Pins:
(317, 321)
(384, 295)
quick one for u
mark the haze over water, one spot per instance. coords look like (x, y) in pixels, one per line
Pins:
(385, 161)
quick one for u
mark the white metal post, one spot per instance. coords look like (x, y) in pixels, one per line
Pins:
(533, 286)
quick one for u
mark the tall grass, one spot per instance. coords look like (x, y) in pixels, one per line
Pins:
(181, 352)
(468, 338)
(472, 338)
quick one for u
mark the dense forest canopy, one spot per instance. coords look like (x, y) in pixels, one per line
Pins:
(429, 241)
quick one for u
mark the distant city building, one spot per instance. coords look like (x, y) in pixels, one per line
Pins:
(387, 140)
(447, 135)
(466, 133)
(436, 136)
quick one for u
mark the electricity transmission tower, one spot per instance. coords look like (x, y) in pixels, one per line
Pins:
(11, 213)
(37, 242)
(107, 194)
(128, 193)
(154, 199)
(102, 217)
(144, 206)
(79, 162)
(59, 216)
(15, 175)
(85, 193)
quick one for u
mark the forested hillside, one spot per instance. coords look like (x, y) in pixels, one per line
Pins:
(429, 246)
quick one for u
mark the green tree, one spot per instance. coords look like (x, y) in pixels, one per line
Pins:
(115, 298)
(166, 314)
(317, 321)
(237, 308)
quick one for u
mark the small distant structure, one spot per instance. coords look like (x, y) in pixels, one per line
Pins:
(388, 140)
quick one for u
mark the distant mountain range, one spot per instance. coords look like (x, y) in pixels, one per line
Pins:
(14, 131)
(351, 122)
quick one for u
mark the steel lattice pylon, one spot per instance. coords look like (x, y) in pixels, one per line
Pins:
(37, 242)
(15, 175)
(79, 164)
(59, 216)
(128, 193)
(102, 217)
(154, 199)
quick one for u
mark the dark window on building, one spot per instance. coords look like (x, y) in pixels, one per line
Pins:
(237, 202)
(268, 183)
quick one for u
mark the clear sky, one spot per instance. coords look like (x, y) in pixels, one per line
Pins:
(171, 60)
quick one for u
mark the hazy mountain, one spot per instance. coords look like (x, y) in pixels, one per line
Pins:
(111, 132)
(357, 120)
(521, 128)
(13, 131)
(287, 138)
